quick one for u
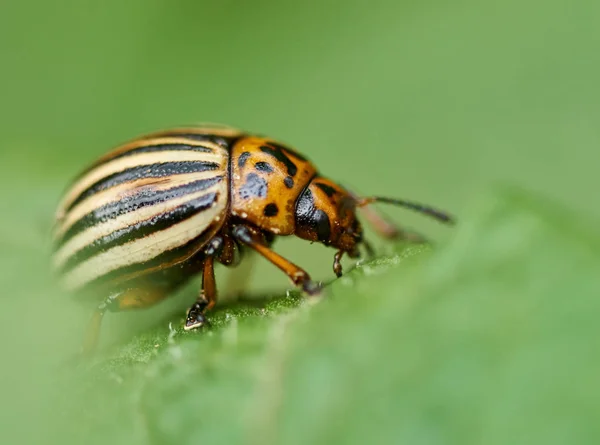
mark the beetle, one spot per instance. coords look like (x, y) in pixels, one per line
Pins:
(157, 210)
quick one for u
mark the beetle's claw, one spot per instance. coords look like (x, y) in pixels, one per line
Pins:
(195, 318)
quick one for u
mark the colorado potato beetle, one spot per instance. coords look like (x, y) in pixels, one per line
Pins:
(155, 211)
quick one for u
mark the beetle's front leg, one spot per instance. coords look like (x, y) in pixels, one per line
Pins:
(337, 260)
(337, 263)
(297, 275)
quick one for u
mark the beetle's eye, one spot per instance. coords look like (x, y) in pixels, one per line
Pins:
(322, 225)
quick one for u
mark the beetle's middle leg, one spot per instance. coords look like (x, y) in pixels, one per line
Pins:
(207, 299)
(221, 248)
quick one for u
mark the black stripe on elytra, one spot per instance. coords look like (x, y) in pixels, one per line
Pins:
(145, 196)
(279, 154)
(168, 257)
(152, 148)
(158, 170)
(141, 229)
(329, 191)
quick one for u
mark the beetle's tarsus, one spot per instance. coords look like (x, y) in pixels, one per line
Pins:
(195, 316)
(337, 263)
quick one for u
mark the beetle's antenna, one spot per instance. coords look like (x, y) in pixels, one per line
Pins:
(424, 209)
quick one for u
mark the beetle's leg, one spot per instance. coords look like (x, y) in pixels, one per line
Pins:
(208, 297)
(228, 253)
(255, 241)
(337, 259)
(128, 299)
(337, 263)
(217, 247)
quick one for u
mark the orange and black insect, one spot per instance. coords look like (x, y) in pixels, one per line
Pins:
(147, 216)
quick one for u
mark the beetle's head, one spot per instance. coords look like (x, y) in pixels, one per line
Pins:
(326, 212)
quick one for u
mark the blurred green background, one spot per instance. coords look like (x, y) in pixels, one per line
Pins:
(432, 101)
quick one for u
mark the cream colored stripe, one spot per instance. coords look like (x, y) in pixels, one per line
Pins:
(123, 190)
(93, 233)
(135, 160)
(144, 249)
(150, 141)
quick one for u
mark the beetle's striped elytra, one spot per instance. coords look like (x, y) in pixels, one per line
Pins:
(155, 211)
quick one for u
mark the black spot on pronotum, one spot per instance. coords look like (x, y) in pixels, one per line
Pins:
(271, 210)
(242, 159)
(264, 167)
(254, 187)
(329, 191)
(280, 155)
(289, 182)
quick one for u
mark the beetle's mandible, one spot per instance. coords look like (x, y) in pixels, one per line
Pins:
(150, 214)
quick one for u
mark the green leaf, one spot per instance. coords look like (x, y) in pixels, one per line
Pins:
(490, 339)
